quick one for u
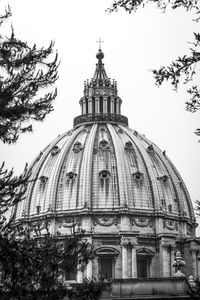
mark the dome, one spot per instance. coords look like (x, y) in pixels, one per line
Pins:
(114, 183)
(106, 168)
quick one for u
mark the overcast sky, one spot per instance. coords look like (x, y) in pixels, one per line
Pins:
(133, 46)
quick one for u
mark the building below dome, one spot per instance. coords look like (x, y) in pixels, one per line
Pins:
(119, 187)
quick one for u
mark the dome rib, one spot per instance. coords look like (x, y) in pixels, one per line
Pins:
(144, 158)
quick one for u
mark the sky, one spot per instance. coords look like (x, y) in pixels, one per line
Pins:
(134, 44)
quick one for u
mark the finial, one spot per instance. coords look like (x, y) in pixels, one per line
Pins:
(99, 41)
(100, 54)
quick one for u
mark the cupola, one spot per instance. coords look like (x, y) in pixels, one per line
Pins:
(100, 102)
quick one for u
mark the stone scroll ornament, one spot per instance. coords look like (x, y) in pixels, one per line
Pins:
(169, 224)
(69, 222)
(142, 221)
(106, 220)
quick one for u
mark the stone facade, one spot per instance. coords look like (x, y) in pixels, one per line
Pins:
(119, 187)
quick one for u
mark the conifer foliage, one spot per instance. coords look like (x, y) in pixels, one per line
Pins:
(183, 70)
(25, 72)
(32, 261)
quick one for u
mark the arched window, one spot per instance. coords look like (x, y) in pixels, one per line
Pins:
(108, 105)
(93, 105)
(115, 106)
(86, 106)
(101, 104)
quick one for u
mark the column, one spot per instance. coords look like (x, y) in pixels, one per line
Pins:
(105, 105)
(112, 106)
(165, 259)
(124, 258)
(172, 260)
(96, 105)
(89, 269)
(89, 105)
(134, 262)
(80, 276)
(198, 265)
(194, 263)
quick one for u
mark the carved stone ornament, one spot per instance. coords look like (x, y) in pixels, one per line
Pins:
(188, 229)
(142, 221)
(106, 220)
(69, 222)
(170, 224)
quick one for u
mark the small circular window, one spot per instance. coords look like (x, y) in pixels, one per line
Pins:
(104, 174)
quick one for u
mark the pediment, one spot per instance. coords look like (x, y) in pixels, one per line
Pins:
(145, 252)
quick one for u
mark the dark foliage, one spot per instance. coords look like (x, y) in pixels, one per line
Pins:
(89, 290)
(186, 67)
(32, 263)
(12, 188)
(133, 5)
(25, 72)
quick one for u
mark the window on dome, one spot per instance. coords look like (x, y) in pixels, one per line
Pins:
(103, 145)
(55, 150)
(71, 176)
(128, 146)
(77, 147)
(104, 174)
(163, 178)
(150, 149)
(138, 176)
(43, 179)
(86, 106)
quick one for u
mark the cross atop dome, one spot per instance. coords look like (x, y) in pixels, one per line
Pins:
(99, 41)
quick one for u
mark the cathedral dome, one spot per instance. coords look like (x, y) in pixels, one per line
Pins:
(115, 184)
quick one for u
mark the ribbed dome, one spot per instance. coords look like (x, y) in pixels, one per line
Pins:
(103, 167)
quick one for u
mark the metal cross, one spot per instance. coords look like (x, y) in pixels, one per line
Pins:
(99, 41)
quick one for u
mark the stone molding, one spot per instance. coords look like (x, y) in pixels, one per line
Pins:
(106, 220)
(69, 222)
(142, 221)
(170, 224)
